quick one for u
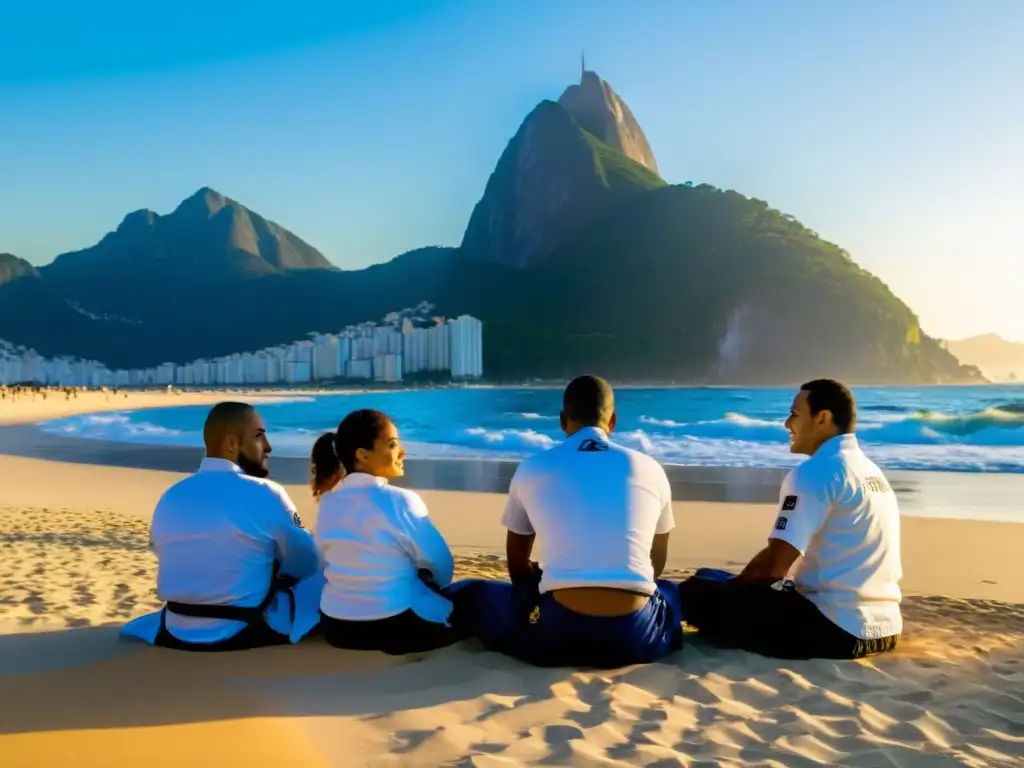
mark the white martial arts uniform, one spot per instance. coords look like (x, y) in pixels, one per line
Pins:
(374, 538)
(596, 507)
(838, 510)
(217, 536)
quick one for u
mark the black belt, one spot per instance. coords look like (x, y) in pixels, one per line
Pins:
(250, 615)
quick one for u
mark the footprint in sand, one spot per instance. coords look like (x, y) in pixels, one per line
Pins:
(84, 596)
(36, 603)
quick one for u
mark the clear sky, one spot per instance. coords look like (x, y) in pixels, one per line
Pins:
(894, 128)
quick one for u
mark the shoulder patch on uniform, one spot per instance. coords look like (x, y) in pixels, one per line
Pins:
(592, 446)
(780, 524)
(788, 504)
(877, 485)
(296, 519)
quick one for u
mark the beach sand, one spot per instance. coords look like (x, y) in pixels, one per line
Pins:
(29, 407)
(75, 563)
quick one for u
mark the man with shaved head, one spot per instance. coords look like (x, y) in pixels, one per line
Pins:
(235, 565)
(235, 432)
(603, 513)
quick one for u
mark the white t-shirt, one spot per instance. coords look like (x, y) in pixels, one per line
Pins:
(374, 538)
(838, 510)
(217, 534)
(595, 506)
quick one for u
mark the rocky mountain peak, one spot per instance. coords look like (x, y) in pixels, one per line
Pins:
(596, 106)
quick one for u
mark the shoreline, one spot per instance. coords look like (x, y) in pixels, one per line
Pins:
(76, 563)
(32, 410)
(988, 496)
(939, 495)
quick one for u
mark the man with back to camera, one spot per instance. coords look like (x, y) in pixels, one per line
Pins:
(603, 513)
(235, 565)
(840, 514)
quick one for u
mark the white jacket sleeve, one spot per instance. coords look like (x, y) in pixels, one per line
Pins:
(296, 548)
(421, 539)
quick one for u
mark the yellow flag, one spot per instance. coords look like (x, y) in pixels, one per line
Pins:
(914, 335)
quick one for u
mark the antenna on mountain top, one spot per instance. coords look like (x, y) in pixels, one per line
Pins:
(583, 65)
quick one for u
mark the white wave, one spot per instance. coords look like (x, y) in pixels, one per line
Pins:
(119, 427)
(984, 442)
(512, 437)
(660, 422)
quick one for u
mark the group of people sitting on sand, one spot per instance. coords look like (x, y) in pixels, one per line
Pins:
(238, 570)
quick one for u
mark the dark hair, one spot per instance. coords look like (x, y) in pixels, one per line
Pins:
(324, 463)
(223, 418)
(835, 397)
(588, 400)
(333, 451)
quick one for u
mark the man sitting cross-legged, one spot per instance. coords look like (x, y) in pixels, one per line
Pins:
(234, 563)
(839, 513)
(603, 514)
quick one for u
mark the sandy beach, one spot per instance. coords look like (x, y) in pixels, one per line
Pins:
(75, 563)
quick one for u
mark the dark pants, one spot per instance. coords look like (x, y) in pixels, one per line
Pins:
(757, 617)
(395, 635)
(515, 619)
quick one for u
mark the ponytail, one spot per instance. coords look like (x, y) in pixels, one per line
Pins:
(325, 468)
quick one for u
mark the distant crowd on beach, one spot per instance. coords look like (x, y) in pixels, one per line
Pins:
(237, 569)
(15, 392)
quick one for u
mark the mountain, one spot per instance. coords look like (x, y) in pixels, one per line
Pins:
(34, 315)
(208, 239)
(209, 319)
(576, 258)
(698, 284)
(12, 268)
(997, 358)
(552, 178)
(596, 106)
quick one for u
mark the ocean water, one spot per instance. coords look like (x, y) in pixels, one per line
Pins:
(962, 429)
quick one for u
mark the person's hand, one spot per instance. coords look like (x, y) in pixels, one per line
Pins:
(529, 579)
(428, 578)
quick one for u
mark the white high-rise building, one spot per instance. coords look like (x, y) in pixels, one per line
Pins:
(359, 369)
(437, 347)
(327, 362)
(387, 368)
(414, 349)
(386, 341)
(466, 350)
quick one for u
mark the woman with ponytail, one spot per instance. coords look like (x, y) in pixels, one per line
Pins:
(386, 563)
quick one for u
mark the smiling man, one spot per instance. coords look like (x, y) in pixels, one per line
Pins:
(836, 511)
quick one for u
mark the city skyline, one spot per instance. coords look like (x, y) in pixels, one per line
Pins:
(890, 134)
(366, 351)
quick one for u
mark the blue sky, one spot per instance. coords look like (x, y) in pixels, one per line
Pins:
(895, 129)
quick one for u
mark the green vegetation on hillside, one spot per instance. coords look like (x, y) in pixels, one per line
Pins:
(650, 291)
(615, 169)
